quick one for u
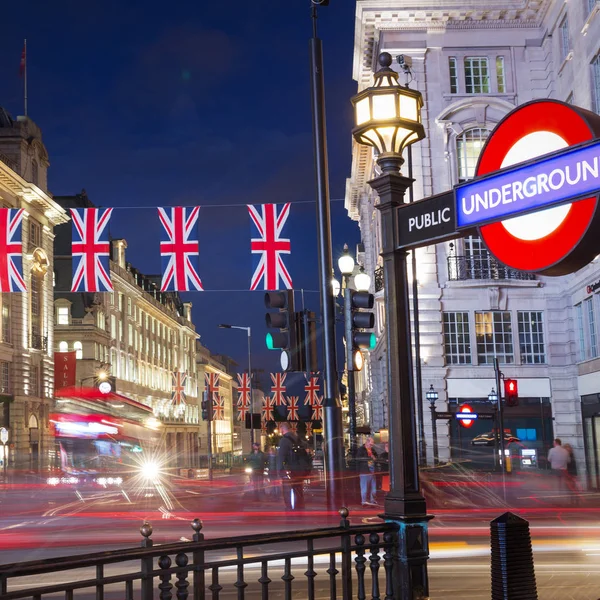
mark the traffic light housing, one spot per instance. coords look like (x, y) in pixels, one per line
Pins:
(206, 406)
(358, 317)
(284, 323)
(511, 392)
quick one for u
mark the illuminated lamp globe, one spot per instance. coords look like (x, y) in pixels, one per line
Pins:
(493, 396)
(387, 116)
(359, 360)
(362, 281)
(346, 262)
(335, 284)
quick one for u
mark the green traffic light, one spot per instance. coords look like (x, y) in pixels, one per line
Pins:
(372, 341)
(269, 340)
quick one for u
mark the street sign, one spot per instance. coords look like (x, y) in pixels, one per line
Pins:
(486, 416)
(444, 415)
(3, 435)
(426, 221)
(554, 239)
(466, 415)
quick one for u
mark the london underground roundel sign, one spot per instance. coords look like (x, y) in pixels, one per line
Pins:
(556, 240)
(463, 411)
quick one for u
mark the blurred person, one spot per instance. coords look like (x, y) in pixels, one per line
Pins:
(366, 458)
(559, 458)
(292, 467)
(256, 461)
(572, 474)
(273, 478)
(384, 468)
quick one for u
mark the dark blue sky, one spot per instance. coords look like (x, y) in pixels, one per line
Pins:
(155, 103)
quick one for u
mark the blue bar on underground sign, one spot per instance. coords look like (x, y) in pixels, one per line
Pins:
(571, 174)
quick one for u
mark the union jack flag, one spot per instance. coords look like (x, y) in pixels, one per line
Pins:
(179, 249)
(90, 245)
(243, 389)
(309, 429)
(212, 385)
(242, 412)
(178, 393)
(270, 246)
(11, 250)
(278, 389)
(292, 408)
(317, 409)
(267, 409)
(294, 426)
(312, 391)
(218, 408)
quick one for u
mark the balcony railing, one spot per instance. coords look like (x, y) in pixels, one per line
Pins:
(461, 268)
(39, 342)
(378, 279)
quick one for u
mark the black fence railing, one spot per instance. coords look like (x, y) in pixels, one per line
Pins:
(359, 559)
(482, 267)
(39, 342)
(379, 284)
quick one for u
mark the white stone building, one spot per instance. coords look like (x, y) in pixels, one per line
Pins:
(27, 319)
(474, 62)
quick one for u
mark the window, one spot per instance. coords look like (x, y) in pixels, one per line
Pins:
(457, 343)
(580, 330)
(78, 347)
(500, 77)
(453, 75)
(120, 331)
(120, 302)
(36, 312)
(591, 323)
(565, 40)
(34, 172)
(35, 234)
(468, 147)
(5, 387)
(62, 315)
(6, 337)
(34, 388)
(113, 327)
(129, 306)
(596, 82)
(130, 334)
(531, 337)
(63, 347)
(477, 80)
(493, 331)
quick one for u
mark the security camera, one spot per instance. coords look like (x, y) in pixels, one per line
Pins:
(405, 62)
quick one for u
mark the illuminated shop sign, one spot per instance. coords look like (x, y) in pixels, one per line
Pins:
(590, 289)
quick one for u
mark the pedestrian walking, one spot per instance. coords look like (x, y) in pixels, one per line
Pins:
(366, 457)
(273, 477)
(572, 474)
(559, 458)
(292, 467)
(256, 462)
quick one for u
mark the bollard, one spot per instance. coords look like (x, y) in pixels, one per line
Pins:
(513, 575)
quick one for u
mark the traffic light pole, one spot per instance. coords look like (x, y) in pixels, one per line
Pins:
(250, 385)
(332, 409)
(500, 415)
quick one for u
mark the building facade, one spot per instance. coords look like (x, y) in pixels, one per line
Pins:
(27, 318)
(137, 335)
(473, 65)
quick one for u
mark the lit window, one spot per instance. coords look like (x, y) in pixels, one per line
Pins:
(453, 75)
(63, 347)
(457, 342)
(477, 79)
(565, 40)
(580, 331)
(591, 323)
(500, 77)
(493, 330)
(78, 347)
(468, 147)
(596, 82)
(62, 315)
(4, 377)
(531, 337)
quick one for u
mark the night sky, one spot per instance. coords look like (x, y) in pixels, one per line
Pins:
(151, 103)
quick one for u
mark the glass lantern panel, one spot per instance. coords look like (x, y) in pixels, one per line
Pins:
(363, 111)
(387, 134)
(371, 138)
(400, 141)
(409, 108)
(384, 106)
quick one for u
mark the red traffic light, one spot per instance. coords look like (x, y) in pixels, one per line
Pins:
(511, 392)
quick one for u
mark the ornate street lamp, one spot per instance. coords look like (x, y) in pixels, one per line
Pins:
(493, 397)
(346, 262)
(335, 284)
(362, 281)
(388, 118)
(432, 396)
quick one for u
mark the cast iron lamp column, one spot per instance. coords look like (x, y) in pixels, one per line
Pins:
(388, 118)
(432, 396)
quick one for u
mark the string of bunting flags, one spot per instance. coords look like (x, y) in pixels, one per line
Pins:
(179, 248)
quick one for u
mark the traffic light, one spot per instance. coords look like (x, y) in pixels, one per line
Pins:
(285, 321)
(206, 406)
(358, 317)
(511, 392)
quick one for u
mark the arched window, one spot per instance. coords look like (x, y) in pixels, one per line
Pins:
(468, 147)
(78, 347)
(63, 347)
(34, 172)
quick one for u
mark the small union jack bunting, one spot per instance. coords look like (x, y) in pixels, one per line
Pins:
(212, 386)
(278, 389)
(218, 408)
(270, 272)
(178, 397)
(11, 250)
(292, 408)
(312, 389)
(179, 249)
(294, 426)
(309, 428)
(267, 409)
(90, 249)
(317, 410)
(243, 389)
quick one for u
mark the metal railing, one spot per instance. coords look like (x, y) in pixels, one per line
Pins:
(350, 556)
(39, 342)
(378, 279)
(462, 268)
